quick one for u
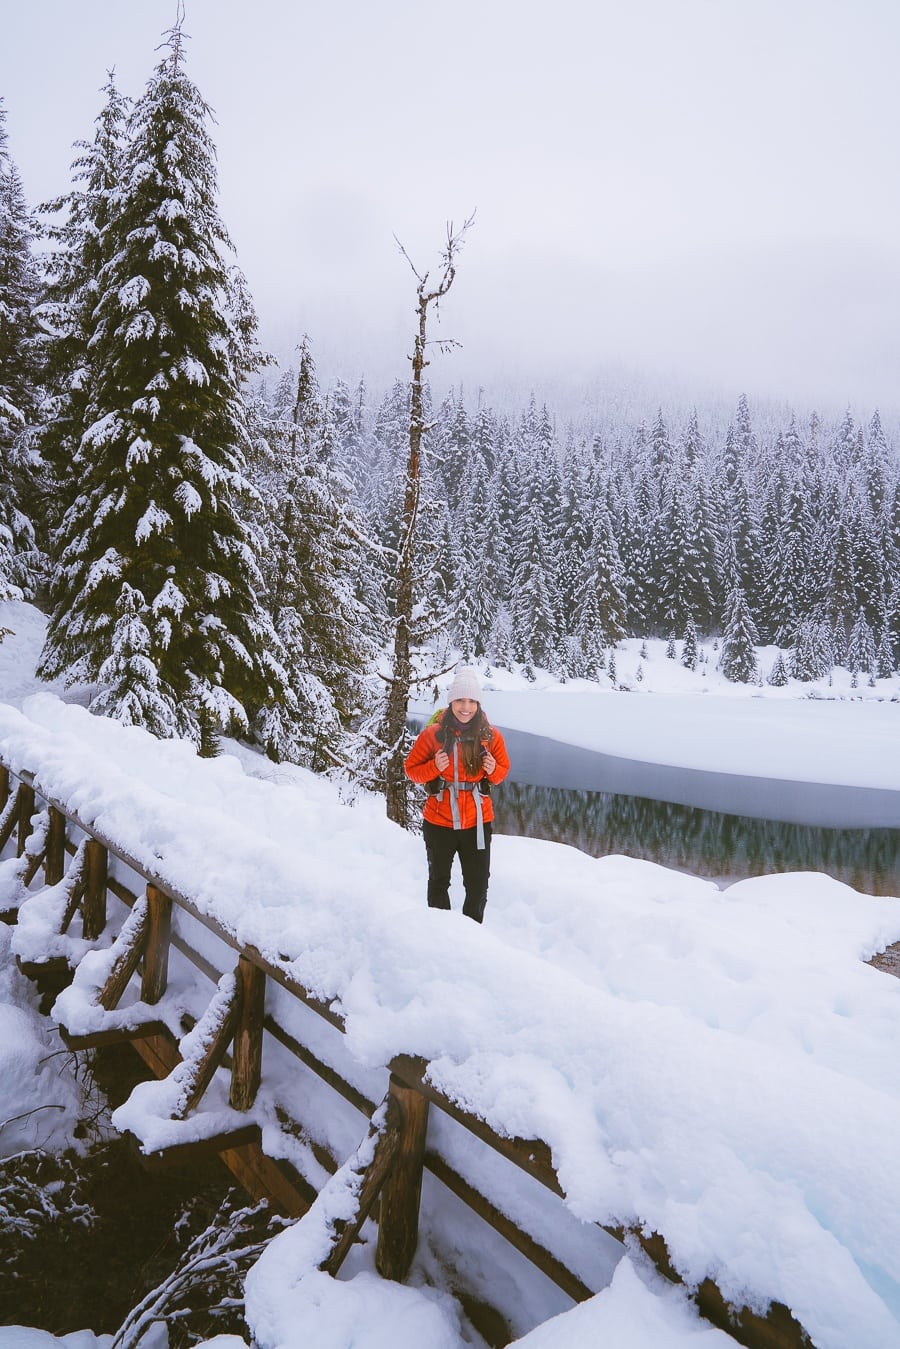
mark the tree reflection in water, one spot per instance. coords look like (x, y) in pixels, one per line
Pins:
(721, 847)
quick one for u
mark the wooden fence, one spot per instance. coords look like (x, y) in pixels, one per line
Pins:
(233, 1034)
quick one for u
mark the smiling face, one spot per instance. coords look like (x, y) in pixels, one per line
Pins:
(464, 709)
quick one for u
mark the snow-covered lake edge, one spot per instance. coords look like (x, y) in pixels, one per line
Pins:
(839, 740)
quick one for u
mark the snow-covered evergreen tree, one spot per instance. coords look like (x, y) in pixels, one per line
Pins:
(687, 559)
(158, 534)
(689, 645)
(500, 641)
(77, 232)
(861, 647)
(884, 656)
(811, 654)
(737, 659)
(534, 614)
(787, 563)
(591, 658)
(603, 582)
(21, 375)
(778, 675)
(783, 513)
(315, 553)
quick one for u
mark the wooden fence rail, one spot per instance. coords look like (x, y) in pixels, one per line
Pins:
(232, 1034)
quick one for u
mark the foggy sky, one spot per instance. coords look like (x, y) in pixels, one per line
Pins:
(704, 190)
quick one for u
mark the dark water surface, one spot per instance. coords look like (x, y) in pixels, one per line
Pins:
(716, 825)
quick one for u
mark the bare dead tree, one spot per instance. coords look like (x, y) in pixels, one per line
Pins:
(428, 294)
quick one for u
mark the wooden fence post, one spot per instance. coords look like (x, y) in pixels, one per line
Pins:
(398, 1223)
(216, 1031)
(4, 785)
(155, 975)
(246, 1065)
(26, 810)
(126, 952)
(93, 906)
(55, 859)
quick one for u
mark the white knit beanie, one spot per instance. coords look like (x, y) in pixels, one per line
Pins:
(465, 685)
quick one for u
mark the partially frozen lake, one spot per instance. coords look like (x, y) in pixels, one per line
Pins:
(712, 823)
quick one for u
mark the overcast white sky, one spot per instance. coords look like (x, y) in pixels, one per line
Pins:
(705, 188)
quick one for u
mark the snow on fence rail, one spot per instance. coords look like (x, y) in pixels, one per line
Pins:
(167, 1118)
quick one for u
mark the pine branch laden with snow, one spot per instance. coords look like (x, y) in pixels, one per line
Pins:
(206, 1285)
(38, 1192)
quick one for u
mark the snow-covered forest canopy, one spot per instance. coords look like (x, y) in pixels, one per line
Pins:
(215, 540)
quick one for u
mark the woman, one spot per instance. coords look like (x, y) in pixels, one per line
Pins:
(457, 756)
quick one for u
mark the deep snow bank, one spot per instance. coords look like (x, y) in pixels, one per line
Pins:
(717, 1065)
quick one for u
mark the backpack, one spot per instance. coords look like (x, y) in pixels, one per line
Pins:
(435, 786)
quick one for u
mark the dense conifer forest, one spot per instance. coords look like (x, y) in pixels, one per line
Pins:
(214, 539)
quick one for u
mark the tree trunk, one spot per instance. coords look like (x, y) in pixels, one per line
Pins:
(398, 692)
(397, 786)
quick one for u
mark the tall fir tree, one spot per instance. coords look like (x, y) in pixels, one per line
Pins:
(687, 560)
(689, 657)
(312, 563)
(602, 580)
(22, 360)
(158, 534)
(787, 565)
(737, 659)
(861, 651)
(811, 653)
(778, 675)
(534, 611)
(76, 229)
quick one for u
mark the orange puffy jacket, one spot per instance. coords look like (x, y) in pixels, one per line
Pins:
(421, 767)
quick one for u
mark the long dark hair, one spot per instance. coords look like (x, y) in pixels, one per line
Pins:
(474, 737)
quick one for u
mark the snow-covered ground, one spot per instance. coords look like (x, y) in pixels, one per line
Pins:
(719, 1065)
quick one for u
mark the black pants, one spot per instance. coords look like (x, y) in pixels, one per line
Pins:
(441, 846)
